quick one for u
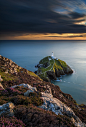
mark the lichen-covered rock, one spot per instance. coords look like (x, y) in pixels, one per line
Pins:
(56, 106)
(7, 109)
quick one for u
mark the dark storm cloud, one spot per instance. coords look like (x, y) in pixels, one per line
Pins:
(38, 16)
(76, 15)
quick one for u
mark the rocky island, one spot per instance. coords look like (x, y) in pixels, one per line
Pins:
(28, 101)
(50, 68)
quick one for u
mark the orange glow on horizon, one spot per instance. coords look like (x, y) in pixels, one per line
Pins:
(47, 36)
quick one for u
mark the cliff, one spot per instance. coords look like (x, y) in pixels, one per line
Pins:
(50, 68)
(25, 99)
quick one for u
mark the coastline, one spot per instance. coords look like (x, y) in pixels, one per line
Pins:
(37, 87)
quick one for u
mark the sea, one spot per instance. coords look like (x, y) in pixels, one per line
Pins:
(27, 54)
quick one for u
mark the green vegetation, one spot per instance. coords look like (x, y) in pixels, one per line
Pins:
(7, 76)
(62, 63)
(50, 67)
(33, 74)
(44, 76)
(56, 66)
(53, 64)
(46, 59)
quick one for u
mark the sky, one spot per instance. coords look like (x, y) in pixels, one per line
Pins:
(42, 19)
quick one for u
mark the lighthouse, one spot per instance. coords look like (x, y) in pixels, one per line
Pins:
(53, 57)
(52, 54)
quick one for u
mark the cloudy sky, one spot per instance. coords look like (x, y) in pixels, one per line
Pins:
(42, 19)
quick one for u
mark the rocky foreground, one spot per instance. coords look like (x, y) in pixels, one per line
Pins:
(27, 100)
(50, 68)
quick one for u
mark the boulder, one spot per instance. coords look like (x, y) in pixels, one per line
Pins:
(1, 79)
(7, 109)
(1, 86)
(26, 85)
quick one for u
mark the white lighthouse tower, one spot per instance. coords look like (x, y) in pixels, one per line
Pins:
(53, 57)
(52, 54)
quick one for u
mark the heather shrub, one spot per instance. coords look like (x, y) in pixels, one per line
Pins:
(33, 116)
(21, 89)
(35, 94)
(36, 100)
(4, 93)
(20, 99)
(11, 122)
(10, 92)
(1, 88)
(4, 99)
(81, 113)
(23, 100)
(13, 92)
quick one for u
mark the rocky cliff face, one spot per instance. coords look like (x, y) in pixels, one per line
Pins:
(26, 91)
(49, 68)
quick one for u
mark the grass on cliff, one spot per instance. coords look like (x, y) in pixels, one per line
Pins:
(50, 67)
(7, 76)
(33, 74)
(62, 63)
(45, 59)
(54, 64)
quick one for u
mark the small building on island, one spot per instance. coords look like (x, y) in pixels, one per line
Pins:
(53, 57)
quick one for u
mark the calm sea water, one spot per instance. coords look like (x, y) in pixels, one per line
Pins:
(28, 53)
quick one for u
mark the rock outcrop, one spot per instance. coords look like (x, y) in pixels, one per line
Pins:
(49, 68)
(7, 109)
(8, 66)
(53, 104)
(59, 108)
(31, 89)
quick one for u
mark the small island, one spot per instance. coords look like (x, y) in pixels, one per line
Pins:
(50, 68)
(27, 100)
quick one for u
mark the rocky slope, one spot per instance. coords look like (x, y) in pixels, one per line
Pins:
(50, 68)
(25, 96)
